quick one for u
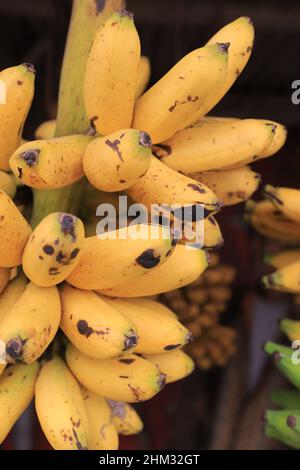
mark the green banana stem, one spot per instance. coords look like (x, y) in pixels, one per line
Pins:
(87, 17)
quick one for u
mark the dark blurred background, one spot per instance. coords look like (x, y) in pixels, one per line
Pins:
(220, 408)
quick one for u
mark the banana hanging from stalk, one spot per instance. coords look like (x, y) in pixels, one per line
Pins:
(96, 328)
(129, 378)
(111, 74)
(50, 164)
(180, 96)
(18, 90)
(60, 407)
(287, 201)
(125, 418)
(143, 76)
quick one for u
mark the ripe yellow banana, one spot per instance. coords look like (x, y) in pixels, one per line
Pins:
(8, 184)
(184, 266)
(14, 232)
(117, 161)
(30, 325)
(176, 365)
(50, 164)
(129, 378)
(279, 138)
(282, 259)
(213, 237)
(18, 89)
(5, 274)
(230, 186)
(121, 255)
(111, 74)
(179, 97)
(162, 185)
(45, 130)
(103, 434)
(143, 76)
(286, 279)
(287, 201)
(125, 418)
(16, 392)
(11, 294)
(215, 145)
(60, 407)
(94, 327)
(53, 249)
(172, 334)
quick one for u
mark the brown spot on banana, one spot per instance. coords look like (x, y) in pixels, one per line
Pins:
(147, 259)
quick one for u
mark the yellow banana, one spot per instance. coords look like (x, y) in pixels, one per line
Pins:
(215, 145)
(31, 324)
(18, 89)
(176, 365)
(282, 259)
(143, 76)
(16, 392)
(179, 97)
(287, 201)
(103, 434)
(50, 164)
(162, 185)
(11, 294)
(14, 232)
(60, 407)
(172, 334)
(46, 130)
(111, 74)
(184, 266)
(121, 255)
(286, 279)
(230, 186)
(8, 184)
(125, 418)
(94, 327)
(53, 249)
(5, 274)
(213, 237)
(279, 138)
(129, 378)
(117, 161)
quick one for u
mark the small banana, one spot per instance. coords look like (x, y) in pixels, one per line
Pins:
(111, 74)
(183, 267)
(287, 201)
(45, 130)
(143, 76)
(176, 365)
(180, 96)
(50, 164)
(18, 88)
(286, 279)
(60, 407)
(103, 434)
(278, 141)
(53, 249)
(31, 323)
(121, 255)
(125, 418)
(282, 259)
(129, 378)
(94, 327)
(8, 184)
(14, 232)
(173, 334)
(16, 392)
(117, 161)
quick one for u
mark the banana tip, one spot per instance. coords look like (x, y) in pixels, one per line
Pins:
(223, 47)
(30, 67)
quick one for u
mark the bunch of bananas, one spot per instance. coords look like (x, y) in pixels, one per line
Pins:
(199, 306)
(76, 330)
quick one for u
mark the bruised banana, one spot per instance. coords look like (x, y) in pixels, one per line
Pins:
(53, 249)
(94, 327)
(183, 267)
(215, 145)
(17, 87)
(163, 185)
(176, 365)
(16, 392)
(14, 232)
(143, 76)
(8, 184)
(46, 130)
(287, 201)
(50, 164)
(60, 407)
(111, 74)
(31, 323)
(117, 161)
(103, 434)
(231, 186)
(282, 259)
(172, 334)
(120, 256)
(180, 96)
(125, 418)
(129, 378)
(286, 279)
